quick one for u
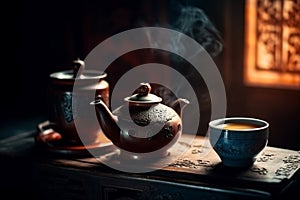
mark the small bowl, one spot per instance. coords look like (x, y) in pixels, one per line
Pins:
(238, 140)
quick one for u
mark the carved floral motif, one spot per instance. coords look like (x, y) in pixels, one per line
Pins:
(278, 35)
(66, 107)
(265, 157)
(259, 170)
(186, 163)
(291, 164)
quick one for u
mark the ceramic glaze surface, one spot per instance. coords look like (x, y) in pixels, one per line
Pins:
(239, 148)
(63, 103)
(142, 124)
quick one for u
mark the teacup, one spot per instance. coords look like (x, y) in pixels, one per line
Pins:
(238, 140)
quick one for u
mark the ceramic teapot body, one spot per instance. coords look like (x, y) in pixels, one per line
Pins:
(61, 97)
(143, 124)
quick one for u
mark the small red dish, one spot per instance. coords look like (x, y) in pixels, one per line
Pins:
(53, 142)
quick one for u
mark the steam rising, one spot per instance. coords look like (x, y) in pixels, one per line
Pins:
(193, 22)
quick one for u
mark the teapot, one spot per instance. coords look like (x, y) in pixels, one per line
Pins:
(143, 124)
(61, 97)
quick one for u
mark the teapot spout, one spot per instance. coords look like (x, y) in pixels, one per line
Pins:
(179, 104)
(107, 120)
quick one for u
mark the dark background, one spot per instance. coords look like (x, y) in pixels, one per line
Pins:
(41, 37)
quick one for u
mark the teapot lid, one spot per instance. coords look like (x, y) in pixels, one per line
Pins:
(69, 75)
(143, 95)
(78, 67)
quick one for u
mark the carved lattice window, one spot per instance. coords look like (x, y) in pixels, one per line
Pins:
(272, 48)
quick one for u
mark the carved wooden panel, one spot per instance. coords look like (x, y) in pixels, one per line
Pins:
(272, 50)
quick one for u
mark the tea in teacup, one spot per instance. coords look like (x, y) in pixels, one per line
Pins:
(239, 126)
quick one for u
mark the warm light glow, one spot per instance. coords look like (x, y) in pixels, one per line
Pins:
(272, 43)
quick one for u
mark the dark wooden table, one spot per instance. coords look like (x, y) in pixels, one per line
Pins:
(32, 170)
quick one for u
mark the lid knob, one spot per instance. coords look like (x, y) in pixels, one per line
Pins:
(142, 95)
(77, 64)
(143, 90)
